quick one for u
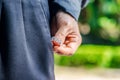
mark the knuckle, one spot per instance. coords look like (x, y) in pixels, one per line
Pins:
(66, 23)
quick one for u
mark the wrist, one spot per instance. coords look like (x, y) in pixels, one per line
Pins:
(60, 12)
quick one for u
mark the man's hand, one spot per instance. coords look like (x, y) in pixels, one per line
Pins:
(64, 28)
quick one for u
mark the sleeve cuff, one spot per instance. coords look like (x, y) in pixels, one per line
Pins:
(73, 7)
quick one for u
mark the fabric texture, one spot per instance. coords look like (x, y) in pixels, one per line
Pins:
(25, 42)
(72, 7)
(25, 47)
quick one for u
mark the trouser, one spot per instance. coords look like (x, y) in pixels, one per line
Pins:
(25, 46)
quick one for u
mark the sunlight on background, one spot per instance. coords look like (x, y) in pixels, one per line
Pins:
(98, 58)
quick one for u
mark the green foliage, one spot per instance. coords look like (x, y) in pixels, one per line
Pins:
(103, 17)
(92, 56)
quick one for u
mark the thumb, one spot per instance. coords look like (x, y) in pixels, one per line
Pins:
(60, 36)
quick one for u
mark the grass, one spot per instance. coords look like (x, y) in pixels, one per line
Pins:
(92, 56)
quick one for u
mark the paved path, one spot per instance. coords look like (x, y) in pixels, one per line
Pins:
(71, 73)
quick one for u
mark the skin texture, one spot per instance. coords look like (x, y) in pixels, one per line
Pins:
(65, 28)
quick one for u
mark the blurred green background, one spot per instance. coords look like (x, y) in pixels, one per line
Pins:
(100, 28)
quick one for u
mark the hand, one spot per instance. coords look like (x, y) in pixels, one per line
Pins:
(65, 28)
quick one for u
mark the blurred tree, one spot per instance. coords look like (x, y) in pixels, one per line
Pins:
(103, 18)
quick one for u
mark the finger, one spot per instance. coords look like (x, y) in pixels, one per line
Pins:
(70, 38)
(63, 50)
(66, 42)
(61, 34)
(69, 48)
(56, 41)
(75, 42)
(71, 35)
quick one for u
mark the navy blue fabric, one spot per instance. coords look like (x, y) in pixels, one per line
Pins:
(25, 47)
(25, 42)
